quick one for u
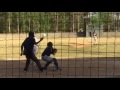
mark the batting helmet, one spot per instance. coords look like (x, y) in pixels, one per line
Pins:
(50, 44)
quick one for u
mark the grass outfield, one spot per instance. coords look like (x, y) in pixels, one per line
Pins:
(67, 47)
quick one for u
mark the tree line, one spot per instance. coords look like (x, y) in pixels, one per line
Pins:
(22, 22)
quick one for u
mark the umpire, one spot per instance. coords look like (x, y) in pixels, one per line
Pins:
(28, 45)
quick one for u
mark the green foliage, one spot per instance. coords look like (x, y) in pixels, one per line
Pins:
(94, 20)
(21, 22)
(101, 18)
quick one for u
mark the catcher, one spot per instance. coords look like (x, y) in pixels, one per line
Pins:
(46, 56)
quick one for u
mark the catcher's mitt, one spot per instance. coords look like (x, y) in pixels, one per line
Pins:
(54, 50)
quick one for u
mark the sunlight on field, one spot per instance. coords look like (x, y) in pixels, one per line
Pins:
(67, 47)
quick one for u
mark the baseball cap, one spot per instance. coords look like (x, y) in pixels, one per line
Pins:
(31, 33)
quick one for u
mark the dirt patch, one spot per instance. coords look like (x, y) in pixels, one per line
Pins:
(71, 68)
(78, 45)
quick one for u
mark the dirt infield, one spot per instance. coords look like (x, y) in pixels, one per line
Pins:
(74, 68)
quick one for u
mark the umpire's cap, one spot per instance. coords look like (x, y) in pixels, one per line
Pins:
(50, 44)
(31, 33)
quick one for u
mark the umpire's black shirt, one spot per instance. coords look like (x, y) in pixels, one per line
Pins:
(29, 44)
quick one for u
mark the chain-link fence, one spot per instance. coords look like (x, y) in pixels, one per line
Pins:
(87, 44)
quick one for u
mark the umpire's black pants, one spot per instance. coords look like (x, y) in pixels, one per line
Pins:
(29, 57)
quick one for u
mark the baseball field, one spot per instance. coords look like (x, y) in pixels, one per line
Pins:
(77, 57)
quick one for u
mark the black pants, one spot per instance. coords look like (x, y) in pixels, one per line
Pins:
(30, 57)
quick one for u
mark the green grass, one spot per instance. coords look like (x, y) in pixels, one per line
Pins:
(102, 50)
(11, 49)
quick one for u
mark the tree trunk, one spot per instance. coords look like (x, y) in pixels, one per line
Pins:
(18, 24)
(84, 23)
(9, 25)
(81, 21)
(29, 24)
(56, 21)
(85, 14)
(71, 22)
(78, 21)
